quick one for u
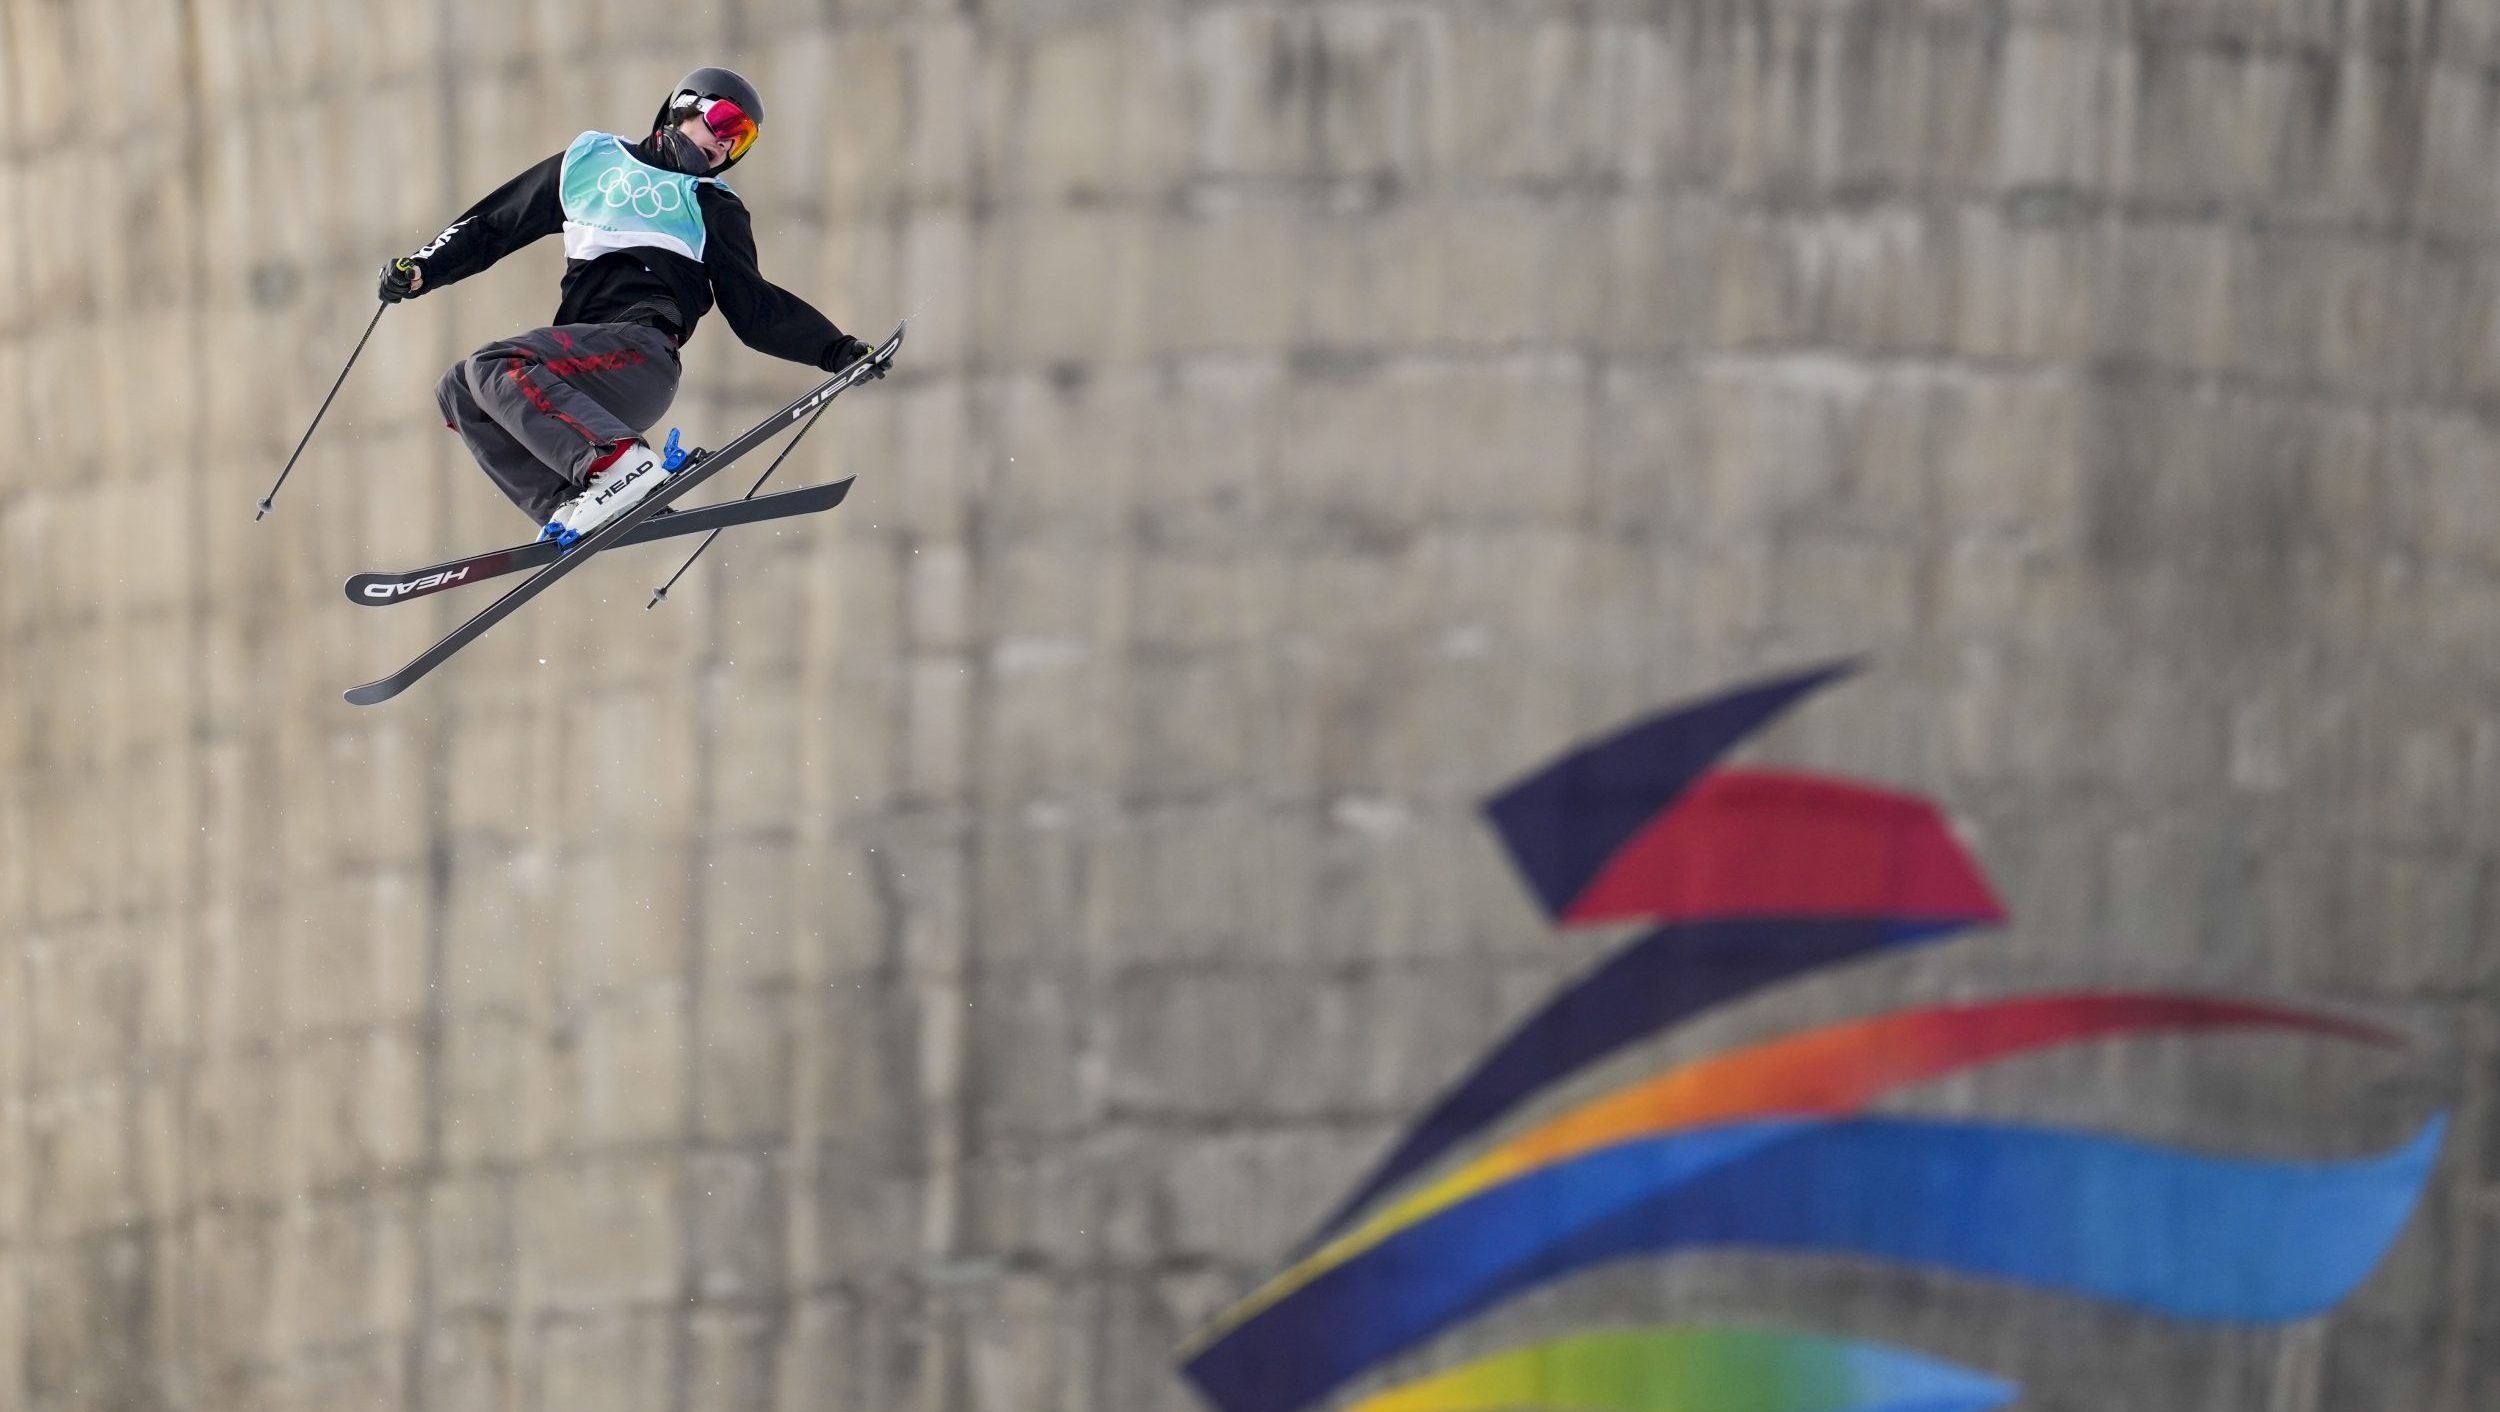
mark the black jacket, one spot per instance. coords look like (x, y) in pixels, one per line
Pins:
(625, 286)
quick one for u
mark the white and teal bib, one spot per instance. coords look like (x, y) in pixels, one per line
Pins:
(614, 200)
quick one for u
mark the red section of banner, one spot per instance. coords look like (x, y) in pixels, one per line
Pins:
(1765, 843)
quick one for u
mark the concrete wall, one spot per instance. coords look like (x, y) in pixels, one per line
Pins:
(955, 946)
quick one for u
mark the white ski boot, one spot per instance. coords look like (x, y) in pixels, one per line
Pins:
(614, 488)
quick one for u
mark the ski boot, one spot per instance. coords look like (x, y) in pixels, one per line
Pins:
(631, 473)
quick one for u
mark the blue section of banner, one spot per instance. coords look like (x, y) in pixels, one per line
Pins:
(1565, 822)
(2172, 1232)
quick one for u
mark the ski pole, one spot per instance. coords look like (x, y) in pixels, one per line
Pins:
(660, 594)
(325, 410)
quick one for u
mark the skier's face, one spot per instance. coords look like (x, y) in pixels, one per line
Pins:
(715, 147)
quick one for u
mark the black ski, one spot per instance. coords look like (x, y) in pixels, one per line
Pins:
(382, 589)
(614, 531)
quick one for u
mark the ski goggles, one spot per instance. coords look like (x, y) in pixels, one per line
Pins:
(729, 123)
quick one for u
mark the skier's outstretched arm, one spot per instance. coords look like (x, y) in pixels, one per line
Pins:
(766, 317)
(521, 210)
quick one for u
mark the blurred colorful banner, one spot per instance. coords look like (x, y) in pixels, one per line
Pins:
(1756, 877)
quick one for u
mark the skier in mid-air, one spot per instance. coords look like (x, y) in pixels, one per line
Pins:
(557, 415)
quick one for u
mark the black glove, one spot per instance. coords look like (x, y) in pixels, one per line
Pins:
(845, 351)
(401, 279)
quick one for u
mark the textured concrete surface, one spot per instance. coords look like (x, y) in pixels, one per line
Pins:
(957, 945)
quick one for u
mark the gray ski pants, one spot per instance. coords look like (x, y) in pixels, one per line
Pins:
(540, 408)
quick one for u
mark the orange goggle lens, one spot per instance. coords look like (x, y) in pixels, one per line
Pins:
(730, 124)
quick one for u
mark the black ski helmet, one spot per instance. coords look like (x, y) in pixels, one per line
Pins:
(715, 83)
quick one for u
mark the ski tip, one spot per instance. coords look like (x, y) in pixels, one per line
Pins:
(372, 693)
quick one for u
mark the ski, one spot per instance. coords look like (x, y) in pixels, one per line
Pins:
(693, 473)
(381, 589)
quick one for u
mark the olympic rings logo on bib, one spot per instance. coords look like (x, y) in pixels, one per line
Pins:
(650, 197)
